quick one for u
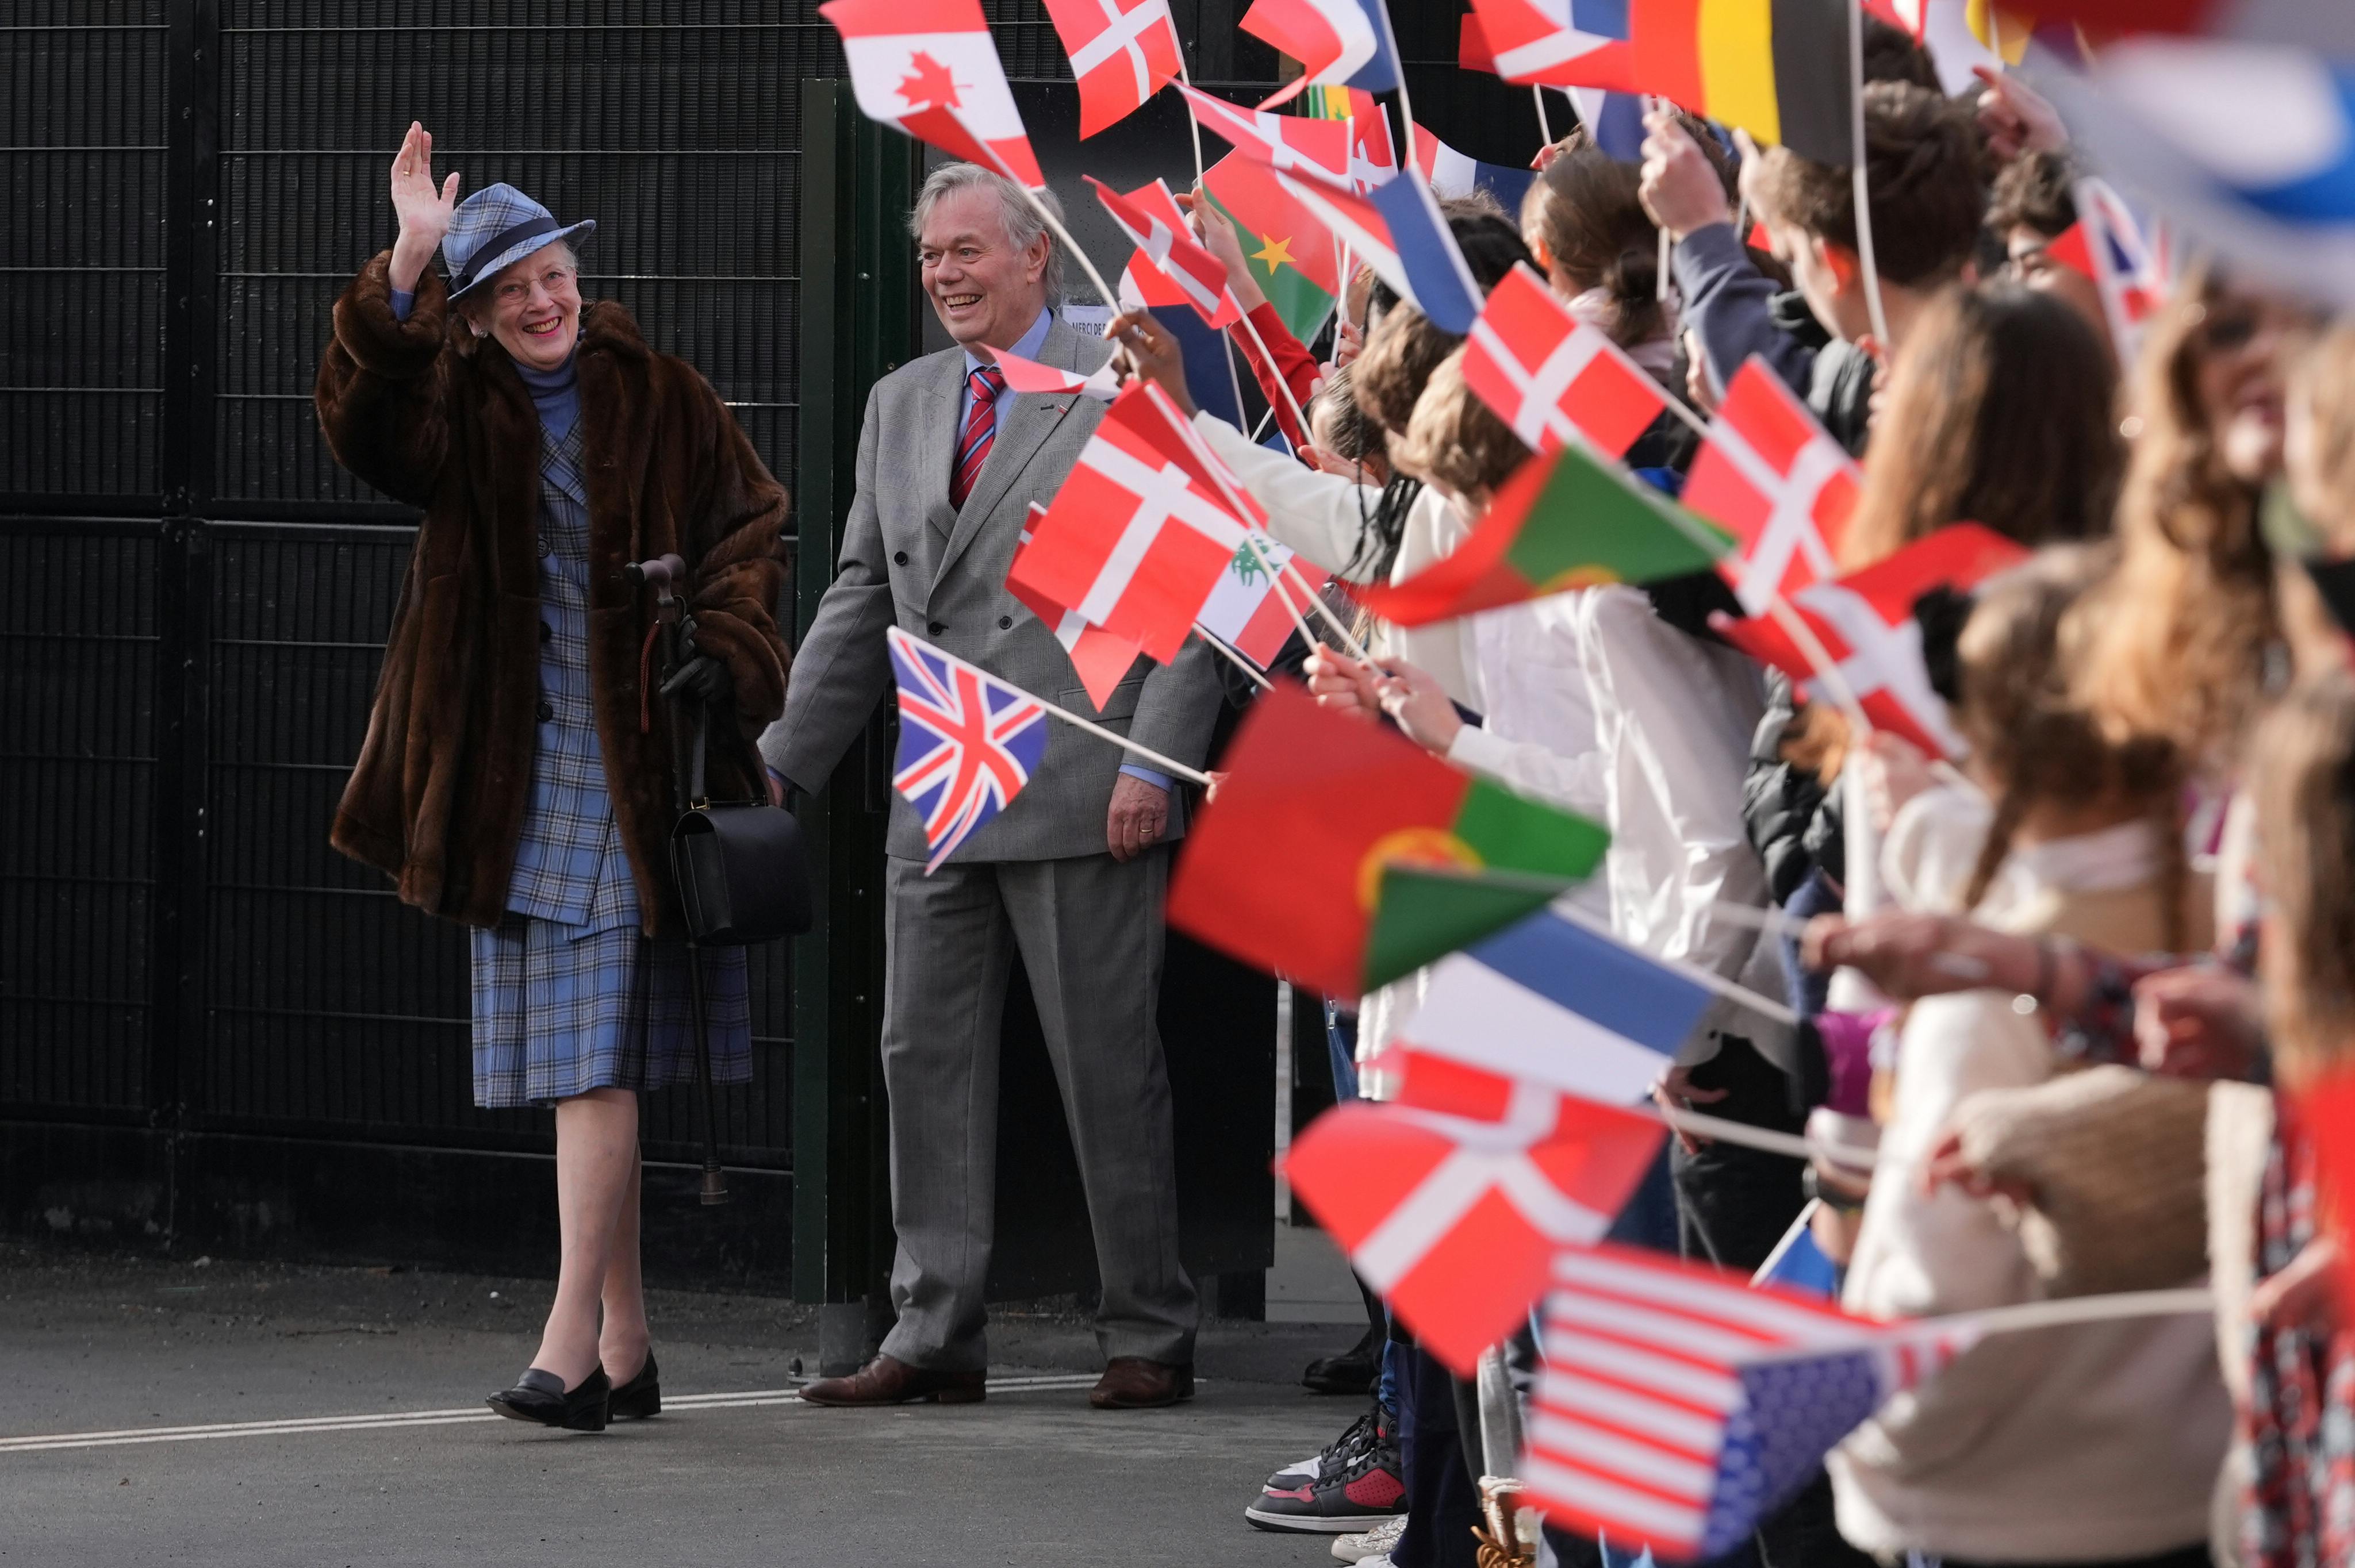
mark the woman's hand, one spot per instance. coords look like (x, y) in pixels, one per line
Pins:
(2015, 117)
(1680, 188)
(2304, 1295)
(1343, 683)
(1417, 705)
(1909, 956)
(1218, 238)
(2199, 1022)
(1153, 354)
(424, 212)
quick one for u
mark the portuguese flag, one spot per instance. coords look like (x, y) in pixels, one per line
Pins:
(1778, 68)
(1562, 521)
(1288, 868)
(1293, 257)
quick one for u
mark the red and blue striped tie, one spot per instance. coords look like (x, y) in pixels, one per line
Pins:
(980, 430)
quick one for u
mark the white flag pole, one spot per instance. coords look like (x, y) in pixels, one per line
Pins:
(1545, 125)
(1863, 185)
(1141, 752)
(1275, 373)
(1237, 660)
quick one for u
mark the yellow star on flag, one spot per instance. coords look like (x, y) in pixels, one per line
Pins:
(1275, 252)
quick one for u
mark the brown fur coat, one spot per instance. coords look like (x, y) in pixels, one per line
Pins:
(430, 414)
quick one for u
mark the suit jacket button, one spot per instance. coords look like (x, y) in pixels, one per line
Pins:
(936, 627)
(1005, 623)
(546, 549)
(898, 557)
(547, 711)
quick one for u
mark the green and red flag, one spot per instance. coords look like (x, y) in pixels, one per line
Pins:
(1293, 258)
(1288, 868)
(1564, 521)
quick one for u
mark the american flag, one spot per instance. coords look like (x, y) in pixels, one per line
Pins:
(1679, 1406)
(968, 741)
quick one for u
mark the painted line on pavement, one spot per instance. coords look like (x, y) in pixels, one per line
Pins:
(395, 1420)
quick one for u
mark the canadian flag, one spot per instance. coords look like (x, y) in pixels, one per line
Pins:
(1100, 658)
(1028, 375)
(1773, 479)
(1141, 531)
(929, 68)
(1251, 610)
(1122, 53)
(1452, 1200)
(1150, 217)
(1866, 622)
(1553, 378)
(1281, 142)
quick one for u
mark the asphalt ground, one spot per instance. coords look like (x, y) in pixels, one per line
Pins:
(243, 1415)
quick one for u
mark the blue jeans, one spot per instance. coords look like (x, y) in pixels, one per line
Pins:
(1341, 1045)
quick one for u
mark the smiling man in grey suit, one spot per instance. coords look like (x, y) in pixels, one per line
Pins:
(1069, 875)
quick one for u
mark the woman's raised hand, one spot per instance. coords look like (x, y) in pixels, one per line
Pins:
(424, 210)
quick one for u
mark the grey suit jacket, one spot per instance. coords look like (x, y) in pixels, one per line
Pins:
(911, 559)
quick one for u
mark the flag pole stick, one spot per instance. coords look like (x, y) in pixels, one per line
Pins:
(1660, 270)
(1275, 372)
(1046, 216)
(1862, 181)
(1259, 429)
(1324, 611)
(1191, 123)
(2076, 1309)
(1732, 990)
(1545, 125)
(1237, 660)
(1717, 1129)
(1141, 752)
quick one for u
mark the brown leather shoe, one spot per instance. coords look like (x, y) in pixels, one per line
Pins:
(887, 1380)
(1132, 1382)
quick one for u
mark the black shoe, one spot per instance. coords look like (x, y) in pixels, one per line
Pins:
(541, 1396)
(641, 1396)
(1353, 1371)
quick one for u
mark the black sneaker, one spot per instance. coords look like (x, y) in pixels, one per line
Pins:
(1369, 1487)
(1332, 1459)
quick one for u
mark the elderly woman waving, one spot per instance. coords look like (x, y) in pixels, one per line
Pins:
(514, 775)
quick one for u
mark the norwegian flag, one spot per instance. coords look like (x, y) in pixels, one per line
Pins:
(968, 741)
(1452, 1200)
(1678, 1405)
(1142, 531)
(1122, 54)
(1150, 217)
(1099, 658)
(1247, 610)
(1281, 142)
(1556, 43)
(929, 68)
(1770, 476)
(1028, 375)
(1866, 622)
(1555, 378)
(1337, 42)
(2106, 245)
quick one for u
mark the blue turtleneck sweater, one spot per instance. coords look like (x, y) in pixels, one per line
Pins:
(555, 393)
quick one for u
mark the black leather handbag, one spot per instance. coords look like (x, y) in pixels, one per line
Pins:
(743, 873)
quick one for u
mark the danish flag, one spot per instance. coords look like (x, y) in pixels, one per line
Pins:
(1679, 1406)
(968, 741)
(1098, 658)
(1144, 528)
(1452, 1200)
(1553, 378)
(1866, 621)
(1023, 375)
(1773, 479)
(1558, 43)
(1281, 142)
(929, 68)
(1122, 54)
(1149, 216)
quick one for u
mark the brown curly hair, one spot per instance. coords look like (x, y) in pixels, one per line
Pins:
(1457, 441)
(1583, 210)
(1921, 165)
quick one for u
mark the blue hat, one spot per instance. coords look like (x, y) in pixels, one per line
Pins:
(496, 227)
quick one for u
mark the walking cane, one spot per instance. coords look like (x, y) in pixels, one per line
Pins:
(671, 635)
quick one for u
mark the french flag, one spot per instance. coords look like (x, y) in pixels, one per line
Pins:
(1339, 43)
(2248, 148)
(1396, 228)
(1452, 174)
(1616, 121)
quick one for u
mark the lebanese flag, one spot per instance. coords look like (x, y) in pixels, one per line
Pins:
(1770, 476)
(1100, 658)
(1281, 142)
(1555, 43)
(1866, 622)
(1150, 217)
(929, 68)
(1028, 375)
(1452, 1199)
(1123, 52)
(1142, 529)
(1553, 378)
(1337, 42)
(1247, 610)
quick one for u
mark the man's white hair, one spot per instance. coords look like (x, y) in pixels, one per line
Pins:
(1021, 224)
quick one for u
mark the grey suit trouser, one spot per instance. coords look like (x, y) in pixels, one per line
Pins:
(1089, 932)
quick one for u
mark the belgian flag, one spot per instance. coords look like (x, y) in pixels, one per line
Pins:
(1778, 68)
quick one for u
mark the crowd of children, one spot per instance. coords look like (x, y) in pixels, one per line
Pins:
(2103, 940)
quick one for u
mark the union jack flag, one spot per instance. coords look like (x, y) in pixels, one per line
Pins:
(968, 741)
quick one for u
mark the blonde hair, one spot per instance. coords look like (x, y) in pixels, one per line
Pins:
(2302, 771)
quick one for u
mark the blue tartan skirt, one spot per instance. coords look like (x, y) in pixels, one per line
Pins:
(561, 1010)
